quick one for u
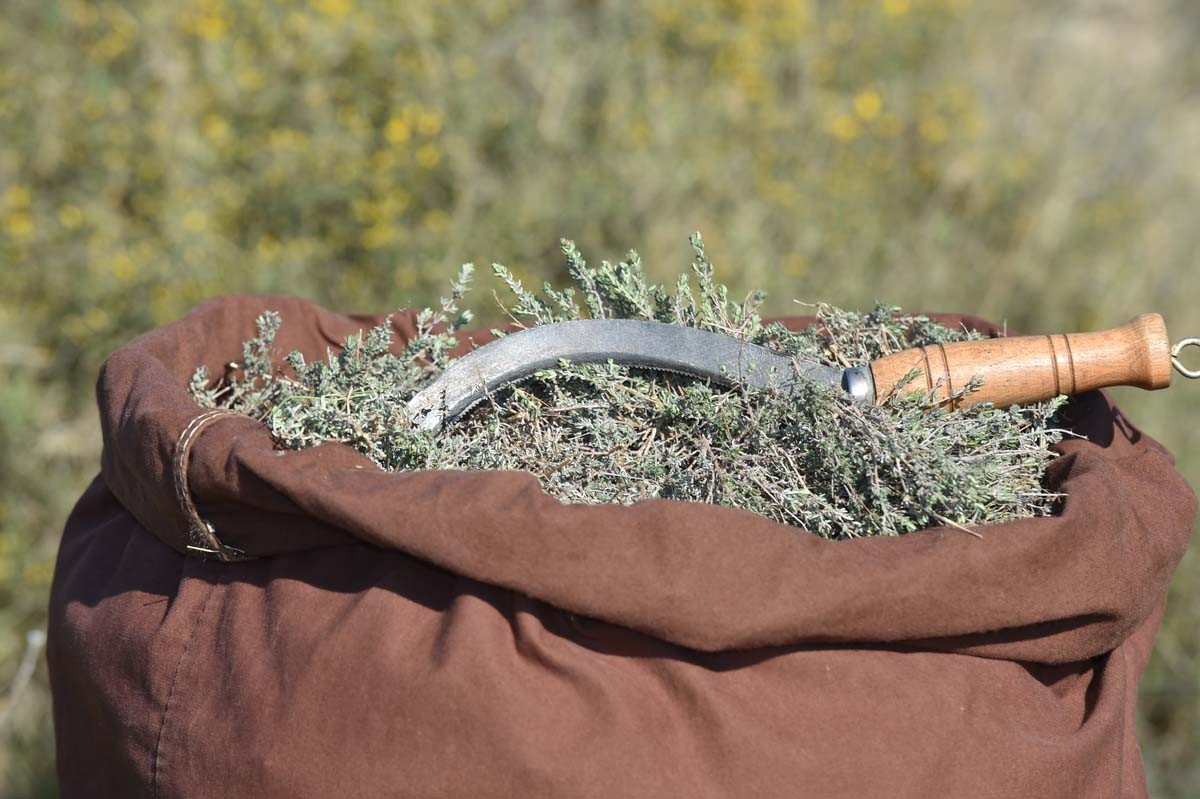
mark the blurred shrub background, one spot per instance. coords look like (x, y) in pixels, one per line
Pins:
(1032, 162)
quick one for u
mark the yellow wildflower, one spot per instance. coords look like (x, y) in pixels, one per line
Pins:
(397, 130)
(149, 168)
(96, 319)
(195, 220)
(110, 47)
(17, 196)
(215, 127)
(92, 107)
(250, 79)
(122, 267)
(868, 104)
(428, 156)
(896, 8)
(19, 225)
(844, 127)
(333, 8)
(212, 27)
(429, 123)
(383, 160)
(70, 216)
(639, 134)
(267, 247)
(378, 236)
(436, 221)
(285, 138)
(349, 118)
(37, 573)
(397, 200)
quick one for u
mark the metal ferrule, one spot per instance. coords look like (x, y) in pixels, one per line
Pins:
(859, 383)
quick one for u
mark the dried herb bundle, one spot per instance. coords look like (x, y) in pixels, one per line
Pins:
(606, 433)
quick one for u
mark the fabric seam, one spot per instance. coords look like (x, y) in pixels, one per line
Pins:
(162, 727)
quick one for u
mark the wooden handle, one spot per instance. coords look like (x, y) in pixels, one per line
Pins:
(1026, 369)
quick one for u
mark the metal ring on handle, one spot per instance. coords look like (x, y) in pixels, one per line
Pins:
(1178, 364)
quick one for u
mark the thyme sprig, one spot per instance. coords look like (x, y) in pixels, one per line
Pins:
(606, 433)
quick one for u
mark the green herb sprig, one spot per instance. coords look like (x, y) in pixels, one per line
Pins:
(607, 433)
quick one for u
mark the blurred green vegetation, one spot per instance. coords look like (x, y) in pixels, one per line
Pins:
(1035, 163)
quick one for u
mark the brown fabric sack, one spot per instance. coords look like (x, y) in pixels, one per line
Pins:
(455, 634)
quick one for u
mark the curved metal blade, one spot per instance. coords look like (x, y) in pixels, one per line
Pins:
(629, 342)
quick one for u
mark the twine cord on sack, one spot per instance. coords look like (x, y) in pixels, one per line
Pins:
(202, 536)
